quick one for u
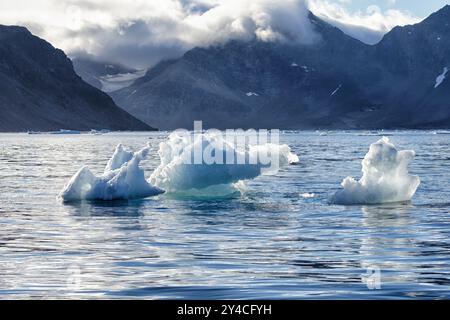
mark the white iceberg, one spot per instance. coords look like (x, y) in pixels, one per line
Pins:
(179, 170)
(385, 177)
(122, 179)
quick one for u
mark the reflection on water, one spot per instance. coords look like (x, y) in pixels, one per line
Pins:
(270, 241)
(115, 208)
(387, 215)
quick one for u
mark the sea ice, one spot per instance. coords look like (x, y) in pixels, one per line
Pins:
(385, 177)
(122, 179)
(179, 170)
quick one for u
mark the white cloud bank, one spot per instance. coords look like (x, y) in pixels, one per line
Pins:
(143, 32)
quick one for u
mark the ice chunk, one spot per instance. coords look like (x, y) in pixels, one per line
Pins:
(307, 195)
(122, 179)
(179, 170)
(441, 78)
(385, 177)
(63, 131)
(249, 94)
(119, 157)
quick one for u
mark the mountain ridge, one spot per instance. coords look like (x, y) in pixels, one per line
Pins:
(339, 82)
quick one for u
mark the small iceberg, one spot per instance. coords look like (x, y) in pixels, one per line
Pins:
(122, 179)
(63, 131)
(385, 177)
(99, 132)
(180, 172)
(307, 195)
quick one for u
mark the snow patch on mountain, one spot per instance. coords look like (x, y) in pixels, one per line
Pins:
(441, 78)
(336, 90)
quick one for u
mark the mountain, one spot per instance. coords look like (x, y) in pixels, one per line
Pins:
(337, 82)
(415, 57)
(105, 76)
(40, 91)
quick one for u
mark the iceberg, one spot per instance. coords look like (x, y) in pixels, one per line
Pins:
(178, 170)
(385, 177)
(122, 179)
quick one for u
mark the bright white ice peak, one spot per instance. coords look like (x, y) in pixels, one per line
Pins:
(122, 179)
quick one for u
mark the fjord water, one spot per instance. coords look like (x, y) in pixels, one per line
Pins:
(279, 239)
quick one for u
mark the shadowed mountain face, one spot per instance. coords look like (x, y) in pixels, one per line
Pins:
(337, 82)
(40, 91)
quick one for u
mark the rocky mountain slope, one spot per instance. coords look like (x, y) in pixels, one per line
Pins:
(40, 91)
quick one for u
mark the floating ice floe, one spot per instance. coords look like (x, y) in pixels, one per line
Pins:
(200, 161)
(385, 177)
(122, 179)
(250, 94)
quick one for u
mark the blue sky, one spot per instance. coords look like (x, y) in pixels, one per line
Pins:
(420, 8)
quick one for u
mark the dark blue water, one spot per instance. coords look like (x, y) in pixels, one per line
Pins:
(279, 239)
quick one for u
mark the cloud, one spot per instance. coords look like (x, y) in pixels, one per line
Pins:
(140, 33)
(144, 32)
(368, 26)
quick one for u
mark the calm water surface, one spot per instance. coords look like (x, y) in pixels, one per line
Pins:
(272, 242)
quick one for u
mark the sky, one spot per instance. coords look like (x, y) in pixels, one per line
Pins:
(141, 33)
(420, 8)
